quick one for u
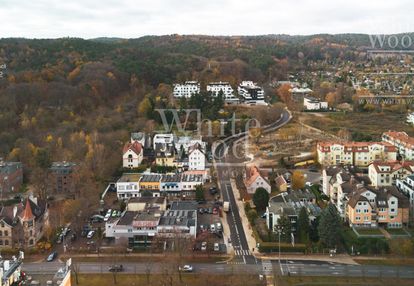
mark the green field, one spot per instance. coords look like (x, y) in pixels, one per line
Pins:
(324, 281)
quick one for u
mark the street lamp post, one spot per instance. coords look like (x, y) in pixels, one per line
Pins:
(279, 230)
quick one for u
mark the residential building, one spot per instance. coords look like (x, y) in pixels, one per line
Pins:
(128, 186)
(254, 179)
(299, 93)
(289, 204)
(406, 186)
(410, 118)
(186, 90)
(139, 137)
(196, 158)
(166, 139)
(23, 225)
(386, 173)
(61, 177)
(149, 184)
(190, 180)
(165, 155)
(11, 176)
(403, 142)
(251, 92)
(360, 154)
(311, 103)
(132, 155)
(281, 183)
(183, 143)
(385, 206)
(224, 88)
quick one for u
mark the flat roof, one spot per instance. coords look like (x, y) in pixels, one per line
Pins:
(129, 177)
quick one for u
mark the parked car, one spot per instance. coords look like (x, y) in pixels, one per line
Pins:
(219, 226)
(210, 210)
(186, 268)
(51, 256)
(204, 246)
(97, 218)
(213, 227)
(116, 268)
(213, 190)
(90, 234)
(216, 247)
(114, 213)
(107, 217)
(200, 210)
(215, 211)
(85, 230)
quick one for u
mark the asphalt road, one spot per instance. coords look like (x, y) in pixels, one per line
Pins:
(287, 267)
(224, 168)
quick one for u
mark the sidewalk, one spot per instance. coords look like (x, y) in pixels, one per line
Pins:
(339, 258)
(251, 241)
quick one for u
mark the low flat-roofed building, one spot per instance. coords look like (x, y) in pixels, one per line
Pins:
(128, 186)
(142, 203)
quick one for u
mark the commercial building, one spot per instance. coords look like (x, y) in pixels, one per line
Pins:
(224, 88)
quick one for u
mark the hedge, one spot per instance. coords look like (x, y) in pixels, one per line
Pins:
(267, 247)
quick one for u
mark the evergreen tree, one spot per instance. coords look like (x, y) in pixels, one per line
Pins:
(261, 199)
(330, 227)
(286, 227)
(303, 226)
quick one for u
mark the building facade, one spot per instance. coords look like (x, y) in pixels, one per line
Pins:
(62, 177)
(186, 90)
(251, 92)
(311, 103)
(384, 174)
(132, 155)
(359, 154)
(11, 176)
(403, 142)
(254, 180)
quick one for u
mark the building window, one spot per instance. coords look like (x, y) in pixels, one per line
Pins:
(6, 233)
(31, 242)
(6, 242)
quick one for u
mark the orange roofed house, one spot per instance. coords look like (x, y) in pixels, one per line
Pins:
(133, 155)
(22, 225)
(359, 154)
(372, 208)
(254, 179)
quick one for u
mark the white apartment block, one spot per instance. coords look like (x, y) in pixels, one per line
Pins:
(403, 142)
(164, 139)
(354, 153)
(251, 92)
(384, 174)
(196, 158)
(186, 90)
(406, 186)
(216, 87)
(311, 103)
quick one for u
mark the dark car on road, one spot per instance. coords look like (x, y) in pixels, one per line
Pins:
(116, 268)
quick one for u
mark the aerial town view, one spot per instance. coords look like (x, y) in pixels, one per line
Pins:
(192, 143)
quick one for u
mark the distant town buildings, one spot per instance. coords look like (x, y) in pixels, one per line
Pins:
(299, 93)
(61, 178)
(186, 90)
(251, 92)
(355, 153)
(311, 103)
(11, 176)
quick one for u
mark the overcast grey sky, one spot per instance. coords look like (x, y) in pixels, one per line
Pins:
(131, 19)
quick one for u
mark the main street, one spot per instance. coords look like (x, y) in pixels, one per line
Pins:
(224, 169)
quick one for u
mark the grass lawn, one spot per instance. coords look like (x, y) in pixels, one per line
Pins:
(316, 281)
(369, 231)
(396, 231)
(187, 279)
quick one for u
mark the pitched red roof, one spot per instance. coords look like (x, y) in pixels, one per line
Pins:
(27, 213)
(135, 147)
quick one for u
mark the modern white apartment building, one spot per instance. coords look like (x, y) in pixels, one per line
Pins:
(403, 142)
(359, 154)
(128, 186)
(228, 93)
(311, 103)
(386, 173)
(196, 158)
(251, 92)
(186, 90)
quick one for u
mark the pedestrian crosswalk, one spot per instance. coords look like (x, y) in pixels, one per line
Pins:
(236, 262)
(267, 266)
(242, 252)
